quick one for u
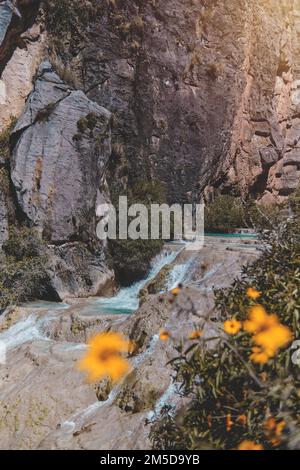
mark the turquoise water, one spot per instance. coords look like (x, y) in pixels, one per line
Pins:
(232, 235)
(126, 301)
(44, 304)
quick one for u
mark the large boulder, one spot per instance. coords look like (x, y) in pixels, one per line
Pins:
(61, 146)
(16, 80)
(58, 162)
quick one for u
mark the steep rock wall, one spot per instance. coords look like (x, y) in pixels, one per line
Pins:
(204, 92)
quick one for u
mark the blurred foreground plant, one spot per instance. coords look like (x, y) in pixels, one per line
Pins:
(241, 389)
(105, 357)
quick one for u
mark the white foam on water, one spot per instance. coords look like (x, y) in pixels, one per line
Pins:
(74, 347)
(25, 330)
(44, 304)
(141, 357)
(78, 419)
(68, 426)
(179, 274)
(127, 299)
(167, 399)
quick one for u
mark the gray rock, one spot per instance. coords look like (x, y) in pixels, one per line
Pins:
(269, 156)
(292, 158)
(76, 271)
(3, 218)
(195, 94)
(62, 146)
(5, 19)
(56, 169)
(289, 179)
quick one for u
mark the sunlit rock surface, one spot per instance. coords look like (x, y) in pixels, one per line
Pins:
(47, 404)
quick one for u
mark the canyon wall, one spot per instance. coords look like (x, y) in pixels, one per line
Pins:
(202, 95)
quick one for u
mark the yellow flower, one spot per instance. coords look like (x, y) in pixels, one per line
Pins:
(242, 419)
(276, 337)
(250, 445)
(164, 335)
(253, 293)
(175, 291)
(232, 327)
(229, 422)
(259, 356)
(195, 334)
(269, 334)
(259, 320)
(273, 431)
(270, 424)
(104, 357)
(279, 428)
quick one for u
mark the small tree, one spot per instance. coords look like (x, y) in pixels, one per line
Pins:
(224, 215)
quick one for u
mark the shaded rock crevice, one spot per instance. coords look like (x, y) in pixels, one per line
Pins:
(14, 22)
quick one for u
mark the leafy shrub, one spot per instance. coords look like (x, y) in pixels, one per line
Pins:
(237, 397)
(224, 215)
(264, 217)
(67, 19)
(22, 275)
(132, 258)
(4, 141)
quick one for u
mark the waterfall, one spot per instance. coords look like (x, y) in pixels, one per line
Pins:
(25, 330)
(179, 274)
(127, 299)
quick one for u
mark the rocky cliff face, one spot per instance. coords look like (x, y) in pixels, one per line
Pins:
(59, 150)
(203, 96)
(204, 93)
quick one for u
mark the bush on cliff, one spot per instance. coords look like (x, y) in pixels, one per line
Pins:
(132, 258)
(227, 213)
(224, 214)
(22, 275)
(244, 389)
(4, 141)
(66, 20)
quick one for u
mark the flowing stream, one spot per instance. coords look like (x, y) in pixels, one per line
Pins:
(126, 301)
(25, 330)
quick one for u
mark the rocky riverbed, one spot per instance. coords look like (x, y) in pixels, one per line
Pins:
(45, 402)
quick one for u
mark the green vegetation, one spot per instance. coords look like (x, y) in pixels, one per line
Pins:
(155, 285)
(224, 214)
(22, 275)
(44, 114)
(132, 258)
(241, 395)
(4, 181)
(227, 213)
(4, 141)
(66, 21)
